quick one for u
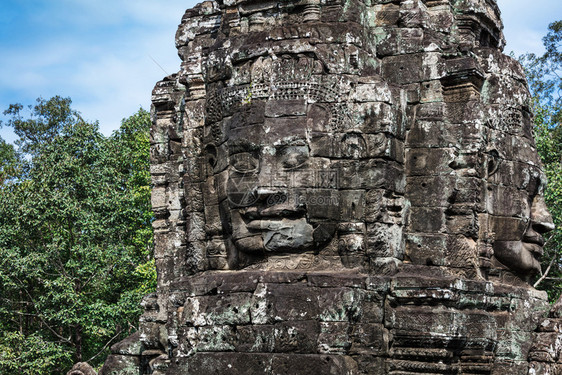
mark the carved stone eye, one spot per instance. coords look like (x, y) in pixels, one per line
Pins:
(294, 156)
(494, 161)
(244, 162)
(211, 152)
(536, 183)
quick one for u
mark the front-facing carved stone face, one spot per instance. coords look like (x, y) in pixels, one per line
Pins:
(280, 197)
(295, 154)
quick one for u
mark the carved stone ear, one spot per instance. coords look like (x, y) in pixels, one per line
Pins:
(493, 161)
(211, 154)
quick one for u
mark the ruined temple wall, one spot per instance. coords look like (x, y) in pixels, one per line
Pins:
(426, 123)
(178, 114)
(395, 39)
(345, 57)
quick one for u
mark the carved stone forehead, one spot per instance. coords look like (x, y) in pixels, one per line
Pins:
(279, 110)
(273, 131)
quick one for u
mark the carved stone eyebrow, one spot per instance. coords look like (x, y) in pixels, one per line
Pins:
(241, 145)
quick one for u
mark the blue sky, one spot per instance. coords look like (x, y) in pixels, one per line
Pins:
(526, 22)
(100, 53)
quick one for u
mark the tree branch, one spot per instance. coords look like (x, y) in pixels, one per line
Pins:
(38, 315)
(545, 274)
(106, 345)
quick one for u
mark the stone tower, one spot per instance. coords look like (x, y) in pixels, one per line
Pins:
(344, 187)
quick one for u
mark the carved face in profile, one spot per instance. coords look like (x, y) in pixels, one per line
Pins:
(518, 214)
(522, 249)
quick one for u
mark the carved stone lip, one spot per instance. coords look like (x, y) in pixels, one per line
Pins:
(276, 212)
(261, 224)
(281, 212)
(270, 224)
(534, 238)
(535, 248)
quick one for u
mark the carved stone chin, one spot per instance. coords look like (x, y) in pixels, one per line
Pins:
(345, 187)
(519, 241)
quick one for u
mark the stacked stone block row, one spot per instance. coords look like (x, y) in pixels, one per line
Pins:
(262, 322)
(546, 352)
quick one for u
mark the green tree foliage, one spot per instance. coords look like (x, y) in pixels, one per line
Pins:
(45, 120)
(545, 82)
(544, 73)
(10, 162)
(75, 237)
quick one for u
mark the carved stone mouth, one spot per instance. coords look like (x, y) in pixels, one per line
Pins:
(271, 224)
(535, 248)
(277, 212)
(535, 239)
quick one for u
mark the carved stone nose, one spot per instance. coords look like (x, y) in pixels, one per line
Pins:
(266, 192)
(541, 220)
(272, 197)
